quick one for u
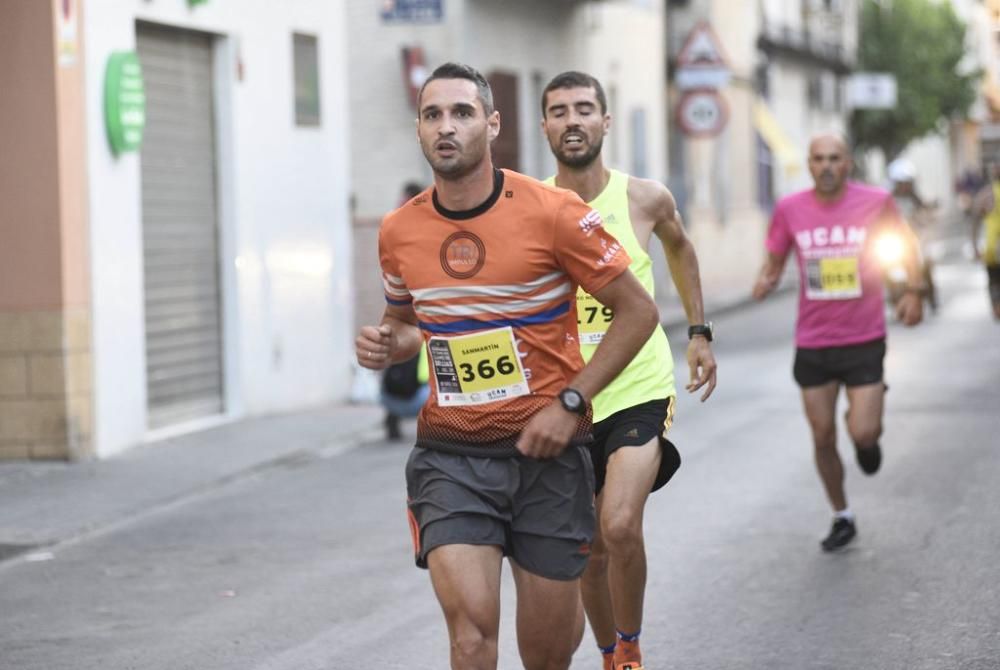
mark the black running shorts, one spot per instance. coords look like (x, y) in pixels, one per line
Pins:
(852, 365)
(634, 427)
(539, 512)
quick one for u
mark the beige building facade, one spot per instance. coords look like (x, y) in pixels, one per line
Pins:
(519, 45)
(45, 310)
(786, 61)
(198, 272)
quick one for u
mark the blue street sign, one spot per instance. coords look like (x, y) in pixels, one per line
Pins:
(412, 11)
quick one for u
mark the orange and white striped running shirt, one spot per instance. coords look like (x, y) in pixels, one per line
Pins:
(494, 292)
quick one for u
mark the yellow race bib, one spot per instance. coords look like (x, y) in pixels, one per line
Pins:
(478, 368)
(592, 318)
(835, 278)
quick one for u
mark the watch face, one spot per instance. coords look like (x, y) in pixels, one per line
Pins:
(571, 400)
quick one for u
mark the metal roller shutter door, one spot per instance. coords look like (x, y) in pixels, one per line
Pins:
(180, 229)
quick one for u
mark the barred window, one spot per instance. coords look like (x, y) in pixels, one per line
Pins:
(305, 57)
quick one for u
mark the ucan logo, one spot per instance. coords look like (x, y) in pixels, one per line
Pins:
(463, 255)
(591, 222)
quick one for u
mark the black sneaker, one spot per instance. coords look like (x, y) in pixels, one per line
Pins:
(842, 532)
(869, 459)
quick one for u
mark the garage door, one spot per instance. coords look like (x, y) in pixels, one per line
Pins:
(180, 227)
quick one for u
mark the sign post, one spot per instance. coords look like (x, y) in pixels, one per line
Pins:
(700, 62)
(702, 113)
(701, 71)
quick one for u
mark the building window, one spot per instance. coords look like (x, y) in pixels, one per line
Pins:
(507, 147)
(765, 174)
(640, 165)
(544, 162)
(829, 6)
(828, 92)
(814, 93)
(823, 92)
(762, 82)
(305, 61)
(677, 174)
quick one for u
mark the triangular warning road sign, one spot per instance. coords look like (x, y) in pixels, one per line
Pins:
(701, 49)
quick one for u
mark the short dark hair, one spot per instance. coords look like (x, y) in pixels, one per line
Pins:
(462, 71)
(575, 79)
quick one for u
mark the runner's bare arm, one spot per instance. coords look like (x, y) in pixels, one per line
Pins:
(550, 430)
(656, 201)
(397, 338)
(767, 281)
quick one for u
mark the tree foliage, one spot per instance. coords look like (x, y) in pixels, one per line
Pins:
(921, 42)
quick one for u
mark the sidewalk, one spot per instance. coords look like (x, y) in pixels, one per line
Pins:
(44, 503)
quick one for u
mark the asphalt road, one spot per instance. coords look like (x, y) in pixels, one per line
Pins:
(306, 565)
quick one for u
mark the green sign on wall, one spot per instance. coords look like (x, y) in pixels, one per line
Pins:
(124, 102)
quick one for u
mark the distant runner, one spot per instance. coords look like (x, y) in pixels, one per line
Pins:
(840, 333)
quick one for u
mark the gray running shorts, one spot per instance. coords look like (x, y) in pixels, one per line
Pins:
(539, 512)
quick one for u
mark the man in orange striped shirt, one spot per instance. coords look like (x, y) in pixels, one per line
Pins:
(483, 268)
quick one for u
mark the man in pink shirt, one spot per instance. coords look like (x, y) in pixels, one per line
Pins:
(840, 332)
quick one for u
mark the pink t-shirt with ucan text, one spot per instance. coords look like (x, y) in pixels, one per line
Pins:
(840, 294)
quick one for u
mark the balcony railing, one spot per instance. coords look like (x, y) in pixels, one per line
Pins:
(803, 45)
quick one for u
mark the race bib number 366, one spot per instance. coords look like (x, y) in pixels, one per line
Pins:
(833, 278)
(476, 369)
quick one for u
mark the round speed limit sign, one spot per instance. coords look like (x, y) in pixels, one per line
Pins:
(702, 113)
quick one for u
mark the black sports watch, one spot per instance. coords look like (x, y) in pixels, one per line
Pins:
(572, 401)
(703, 329)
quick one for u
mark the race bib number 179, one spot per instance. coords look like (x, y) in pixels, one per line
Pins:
(592, 318)
(478, 368)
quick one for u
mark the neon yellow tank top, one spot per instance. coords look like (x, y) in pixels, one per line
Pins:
(650, 375)
(990, 256)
